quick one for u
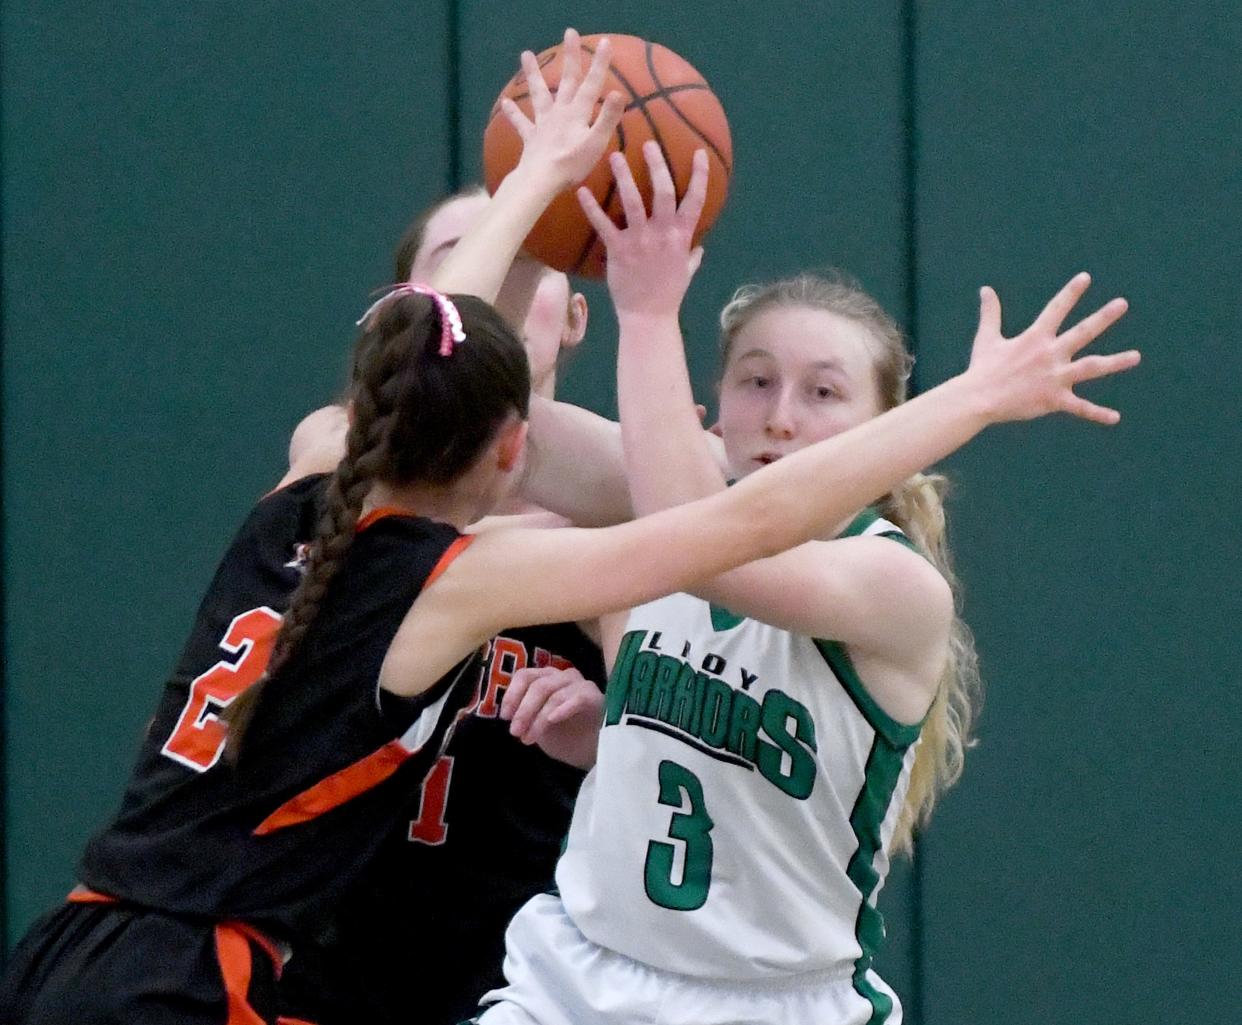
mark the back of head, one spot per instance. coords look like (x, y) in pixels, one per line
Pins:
(435, 379)
(424, 406)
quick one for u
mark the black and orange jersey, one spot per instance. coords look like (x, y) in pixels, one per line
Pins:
(329, 761)
(479, 839)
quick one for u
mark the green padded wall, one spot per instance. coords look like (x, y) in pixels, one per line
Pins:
(197, 199)
(1087, 870)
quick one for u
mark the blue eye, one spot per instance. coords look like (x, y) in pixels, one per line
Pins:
(759, 381)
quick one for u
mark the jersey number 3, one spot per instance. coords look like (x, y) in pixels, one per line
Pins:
(198, 738)
(692, 828)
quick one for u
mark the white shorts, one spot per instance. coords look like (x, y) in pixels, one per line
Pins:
(556, 976)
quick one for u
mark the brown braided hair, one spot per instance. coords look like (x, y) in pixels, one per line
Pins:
(418, 417)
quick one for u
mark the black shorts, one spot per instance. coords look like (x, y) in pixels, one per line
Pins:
(97, 963)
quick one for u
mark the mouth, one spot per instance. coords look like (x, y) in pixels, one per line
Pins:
(767, 458)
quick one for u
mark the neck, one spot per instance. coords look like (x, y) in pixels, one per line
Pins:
(545, 388)
(452, 505)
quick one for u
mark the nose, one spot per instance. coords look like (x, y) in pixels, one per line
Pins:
(781, 421)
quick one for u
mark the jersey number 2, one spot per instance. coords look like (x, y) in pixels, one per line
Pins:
(198, 738)
(693, 829)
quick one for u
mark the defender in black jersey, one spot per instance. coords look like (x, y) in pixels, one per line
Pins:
(272, 841)
(480, 838)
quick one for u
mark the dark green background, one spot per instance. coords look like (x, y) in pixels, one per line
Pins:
(197, 199)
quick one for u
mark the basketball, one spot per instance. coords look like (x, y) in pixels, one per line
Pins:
(666, 100)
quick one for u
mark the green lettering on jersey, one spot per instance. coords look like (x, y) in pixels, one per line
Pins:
(687, 700)
(778, 710)
(641, 676)
(619, 683)
(743, 726)
(661, 702)
(717, 700)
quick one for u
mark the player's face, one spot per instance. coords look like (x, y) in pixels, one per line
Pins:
(550, 325)
(446, 226)
(796, 375)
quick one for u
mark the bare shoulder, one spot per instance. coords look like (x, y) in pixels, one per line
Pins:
(317, 443)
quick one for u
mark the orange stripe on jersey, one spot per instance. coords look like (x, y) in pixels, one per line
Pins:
(347, 783)
(450, 553)
(380, 513)
(84, 895)
(233, 953)
(333, 791)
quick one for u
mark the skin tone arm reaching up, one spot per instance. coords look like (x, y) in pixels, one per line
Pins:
(794, 376)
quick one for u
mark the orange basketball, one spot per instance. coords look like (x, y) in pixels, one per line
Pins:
(666, 100)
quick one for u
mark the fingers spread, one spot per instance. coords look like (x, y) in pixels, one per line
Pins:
(1090, 328)
(1059, 305)
(1080, 407)
(1090, 367)
(696, 192)
(663, 193)
(571, 67)
(631, 199)
(540, 97)
(513, 114)
(608, 118)
(600, 221)
(989, 311)
(589, 91)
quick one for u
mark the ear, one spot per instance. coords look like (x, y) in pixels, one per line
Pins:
(510, 445)
(575, 322)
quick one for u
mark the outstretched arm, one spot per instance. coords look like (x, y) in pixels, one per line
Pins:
(878, 597)
(513, 578)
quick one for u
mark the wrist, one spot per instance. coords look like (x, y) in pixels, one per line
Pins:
(972, 399)
(530, 182)
(639, 324)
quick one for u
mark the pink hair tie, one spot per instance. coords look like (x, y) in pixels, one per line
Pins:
(451, 330)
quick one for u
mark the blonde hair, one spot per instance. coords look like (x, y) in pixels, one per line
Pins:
(917, 507)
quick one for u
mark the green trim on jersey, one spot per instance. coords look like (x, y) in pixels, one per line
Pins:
(860, 523)
(723, 619)
(883, 771)
(899, 734)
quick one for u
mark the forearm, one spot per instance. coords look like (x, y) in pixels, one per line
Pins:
(806, 494)
(518, 291)
(478, 264)
(667, 458)
(575, 465)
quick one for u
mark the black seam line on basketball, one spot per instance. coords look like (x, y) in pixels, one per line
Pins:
(612, 187)
(663, 94)
(548, 59)
(669, 731)
(641, 105)
(659, 139)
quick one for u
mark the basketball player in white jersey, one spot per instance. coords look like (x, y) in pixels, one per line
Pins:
(768, 741)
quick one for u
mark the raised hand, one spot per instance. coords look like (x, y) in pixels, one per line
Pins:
(1035, 372)
(651, 259)
(566, 137)
(558, 709)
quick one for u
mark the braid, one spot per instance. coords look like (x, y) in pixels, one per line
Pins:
(367, 455)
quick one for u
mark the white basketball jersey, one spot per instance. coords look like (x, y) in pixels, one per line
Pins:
(735, 823)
